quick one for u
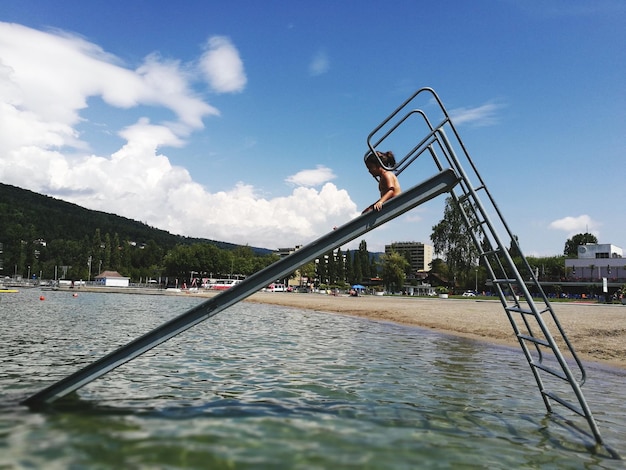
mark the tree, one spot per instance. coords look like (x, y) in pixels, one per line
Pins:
(437, 266)
(452, 239)
(572, 244)
(548, 267)
(364, 260)
(308, 270)
(96, 248)
(350, 269)
(115, 253)
(394, 267)
(106, 256)
(357, 269)
(322, 270)
(333, 267)
(514, 250)
(341, 267)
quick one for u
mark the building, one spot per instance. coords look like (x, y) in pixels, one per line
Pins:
(597, 261)
(291, 282)
(419, 255)
(112, 279)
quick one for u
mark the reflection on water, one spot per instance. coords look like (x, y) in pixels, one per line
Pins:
(266, 387)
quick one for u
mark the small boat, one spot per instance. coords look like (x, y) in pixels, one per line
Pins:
(8, 291)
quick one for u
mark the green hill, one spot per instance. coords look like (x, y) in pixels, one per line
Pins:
(26, 214)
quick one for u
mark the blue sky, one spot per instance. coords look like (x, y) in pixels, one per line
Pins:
(246, 121)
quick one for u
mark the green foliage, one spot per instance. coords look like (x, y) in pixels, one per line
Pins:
(394, 267)
(364, 261)
(308, 271)
(547, 268)
(451, 238)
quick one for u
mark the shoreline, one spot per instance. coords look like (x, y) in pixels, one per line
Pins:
(596, 331)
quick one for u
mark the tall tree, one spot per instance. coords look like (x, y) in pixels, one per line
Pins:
(333, 271)
(96, 248)
(514, 250)
(322, 269)
(350, 269)
(452, 239)
(394, 267)
(308, 271)
(357, 270)
(341, 267)
(106, 255)
(364, 260)
(115, 253)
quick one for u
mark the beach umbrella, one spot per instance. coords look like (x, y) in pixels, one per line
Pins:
(358, 286)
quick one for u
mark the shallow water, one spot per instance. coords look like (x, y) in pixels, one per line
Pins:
(262, 386)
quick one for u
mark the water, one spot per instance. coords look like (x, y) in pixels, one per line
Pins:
(271, 387)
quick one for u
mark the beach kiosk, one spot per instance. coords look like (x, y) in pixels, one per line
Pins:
(112, 279)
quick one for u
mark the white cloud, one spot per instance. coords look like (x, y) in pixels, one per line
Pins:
(319, 64)
(319, 175)
(163, 83)
(53, 76)
(484, 115)
(46, 80)
(241, 216)
(574, 225)
(222, 66)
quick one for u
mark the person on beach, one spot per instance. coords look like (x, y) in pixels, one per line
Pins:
(388, 184)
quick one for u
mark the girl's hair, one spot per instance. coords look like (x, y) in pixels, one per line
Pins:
(386, 158)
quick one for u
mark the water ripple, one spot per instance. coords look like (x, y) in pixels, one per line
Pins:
(272, 387)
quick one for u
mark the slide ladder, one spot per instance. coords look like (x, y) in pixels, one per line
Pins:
(531, 315)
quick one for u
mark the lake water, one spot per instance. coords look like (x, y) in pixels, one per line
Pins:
(263, 386)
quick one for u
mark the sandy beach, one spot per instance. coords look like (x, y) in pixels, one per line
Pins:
(597, 331)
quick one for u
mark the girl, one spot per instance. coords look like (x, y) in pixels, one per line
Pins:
(387, 182)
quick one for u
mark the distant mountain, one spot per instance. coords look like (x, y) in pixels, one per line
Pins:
(47, 218)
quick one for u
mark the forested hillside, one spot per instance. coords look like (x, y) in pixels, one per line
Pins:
(38, 233)
(47, 218)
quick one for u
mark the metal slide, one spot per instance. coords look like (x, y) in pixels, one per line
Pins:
(440, 183)
(514, 281)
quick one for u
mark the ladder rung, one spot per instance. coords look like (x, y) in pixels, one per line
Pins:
(490, 252)
(520, 310)
(567, 404)
(550, 370)
(478, 224)
(532, 339)
(526, 311)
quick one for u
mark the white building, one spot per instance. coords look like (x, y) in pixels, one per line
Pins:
(599, 251)
(596, 261)
(112, 279)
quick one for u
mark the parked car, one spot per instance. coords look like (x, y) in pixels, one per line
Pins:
(468, 293)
